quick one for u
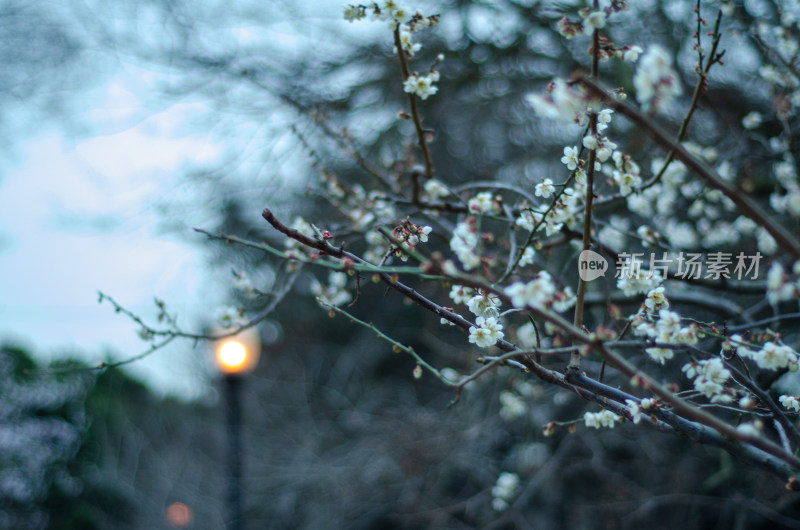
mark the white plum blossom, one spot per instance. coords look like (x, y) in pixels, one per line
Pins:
(526, 335)
(774, 356)
(545, 189)
(528, 219)
(604, 418)
(594, 20)
(537, 293)
(409, 46)
(752, 120)
(635, 410)
(669, 322)
(790, 402)
(648, 403)
(605, 149)
(709, 378)
(487, 332)
(656, 300)
(613, 234)
(435, 189)
(562, 103)
(655, 80)
(765, 242)
(627, 182)
(528, 255)
(484, 304)
(631, 54)
(422, 86)
(564, 300)
(750, 429)
(353, 13)
(482, 203)
(513, 406)
(570, 158)
(228, 317)
(737, 343)
(638, 282)
(505, 488)
(648, 236)
(461, 294)
(681, 235)
(423, 233)
(464, 243)
(660, 354)
(603, 119)
(779, 288)
(666, 330)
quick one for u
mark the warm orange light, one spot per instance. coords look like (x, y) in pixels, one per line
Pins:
(232, 355)
(179, 515)
(238, 354)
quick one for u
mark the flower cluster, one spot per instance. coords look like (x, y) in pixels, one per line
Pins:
(484, 304)
(391, 12)
(604, 147)
(512, 405)
(780, 288)
(665, 330)
(537, 293)
(483, 203)
(461, 294)
(638, 281)
(656, 300)
(709, 378)
(589, 20)
(626, 173)
(637, 409)
(771, 356)
(562, 102)
(407, 236)
(790, 402)
(406, 24)
(421, 85)
(604, 418)
(434, 189)
(487, 332)
(655, 81)
(545, 189)
(228, 317)
(505, 488)
(465, 243)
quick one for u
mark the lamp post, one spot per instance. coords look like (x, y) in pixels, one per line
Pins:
(236, 357)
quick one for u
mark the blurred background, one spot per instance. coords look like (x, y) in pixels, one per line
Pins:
(123, 125)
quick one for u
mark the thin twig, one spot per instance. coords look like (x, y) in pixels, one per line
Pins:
(412, 101)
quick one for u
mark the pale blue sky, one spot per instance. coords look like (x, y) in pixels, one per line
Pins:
(78, 216)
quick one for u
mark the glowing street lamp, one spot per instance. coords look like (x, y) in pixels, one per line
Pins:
(236, 357)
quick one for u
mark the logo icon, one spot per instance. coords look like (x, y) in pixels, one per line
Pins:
(591, 265)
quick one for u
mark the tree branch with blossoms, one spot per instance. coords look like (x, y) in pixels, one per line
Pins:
(497, 260)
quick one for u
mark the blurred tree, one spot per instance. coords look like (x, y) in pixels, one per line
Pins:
(85, 452)
(45, 66)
